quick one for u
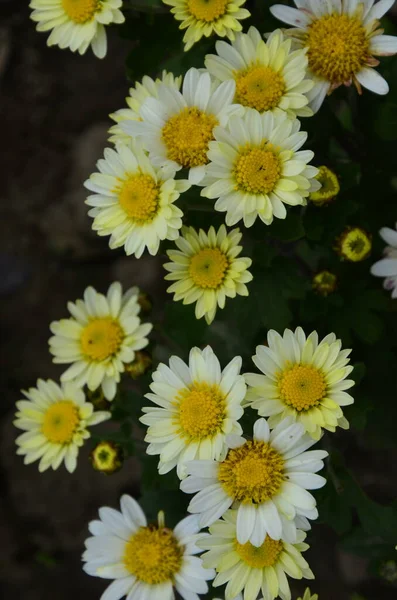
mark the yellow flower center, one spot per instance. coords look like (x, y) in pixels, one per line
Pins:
(201, 411)
(101, 338)
(81, 11)
(329, 186)
(253, 472)
(153, 555)
(338, 47)
(302, 386)
(259, 87)
(355, 244)
(208, 268)
(257, 169)
(266, 555)
(207, 10)
(187, 135)
(60, 422)
(139, 198)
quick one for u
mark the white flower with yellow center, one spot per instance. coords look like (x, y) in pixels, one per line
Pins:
(303, 378)
(253, 569)
(387, 267)
(266, 479)
(268, 75)
(134, 202)
(100, 338)
(55, 420)
(256, 167)
(207, 268)
(146, 561)
(147, 88)
(342, 37)
(206, 17)
(199, 405)
(177, 127)
(77, 24)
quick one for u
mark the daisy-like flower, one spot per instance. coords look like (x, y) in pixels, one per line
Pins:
(308, 595)
(253, 569)
(146, 561)
(266, 479)
(256, 167)
(354, 244)
(329, 187)
(77, 24)
(147, 88)
(55, 420)
(268, 75)
(206, 269)
(134, 202)
(101, 336)
(303, 378)
(206, 17)
(199, 405)
(387, 267)
(177, 127)
(342, 37)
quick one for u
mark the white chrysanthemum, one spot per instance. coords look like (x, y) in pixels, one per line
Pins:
(342, 38)
(266, 479)
(147, 88)
(387, 267)
(244, 567)
(134, 202)
(56, 421)
(268, 75)
(304, 378)
(77, 24)
(102, 335)
(177, 127)
(207, 268)
(256, 169)
(146, 561)
(199, 406)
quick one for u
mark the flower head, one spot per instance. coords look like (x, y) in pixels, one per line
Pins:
(199, 406)
(342, 37)
(256, 167)
(204, 18)
(207, 268)
(259, 478)
(329, 187)
(56, 421)
(324, 282)
(145, 560)
(354, 244)
(387, 267)
(107, 457)
(101, 336)
(303, 378)
(77, 24)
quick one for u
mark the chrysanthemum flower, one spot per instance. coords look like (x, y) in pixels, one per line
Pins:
(329, 187)
(134, 202)
(146, 561)
(102, 335)
(268, 75)
(147, 88)
(256, 169)
(387, 267)
(56, 421)
(304, 378)
(199, 18)
(266, 479)
(308, 595)
(342, 38)
(177, 127)
(324, 282)
(206, 269)
(77, 24)
(199, 406)
(252, 569)
(354, 244)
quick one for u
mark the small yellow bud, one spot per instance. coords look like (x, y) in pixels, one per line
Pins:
(354, 244)
(324, 283)
(140, 365)
(329, 187)
(107, 457)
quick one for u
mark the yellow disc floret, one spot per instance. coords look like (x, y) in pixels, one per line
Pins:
(208, 268)
(266, 555)
(187, 135)
(153, 555)
(253, 472)
(338, 47)
(139, 198)
(101, 338)
(302, 386)
(259, 87)
(81, 11)
(207, 10)
(257, 169)
(201, 411)
(60, 422)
